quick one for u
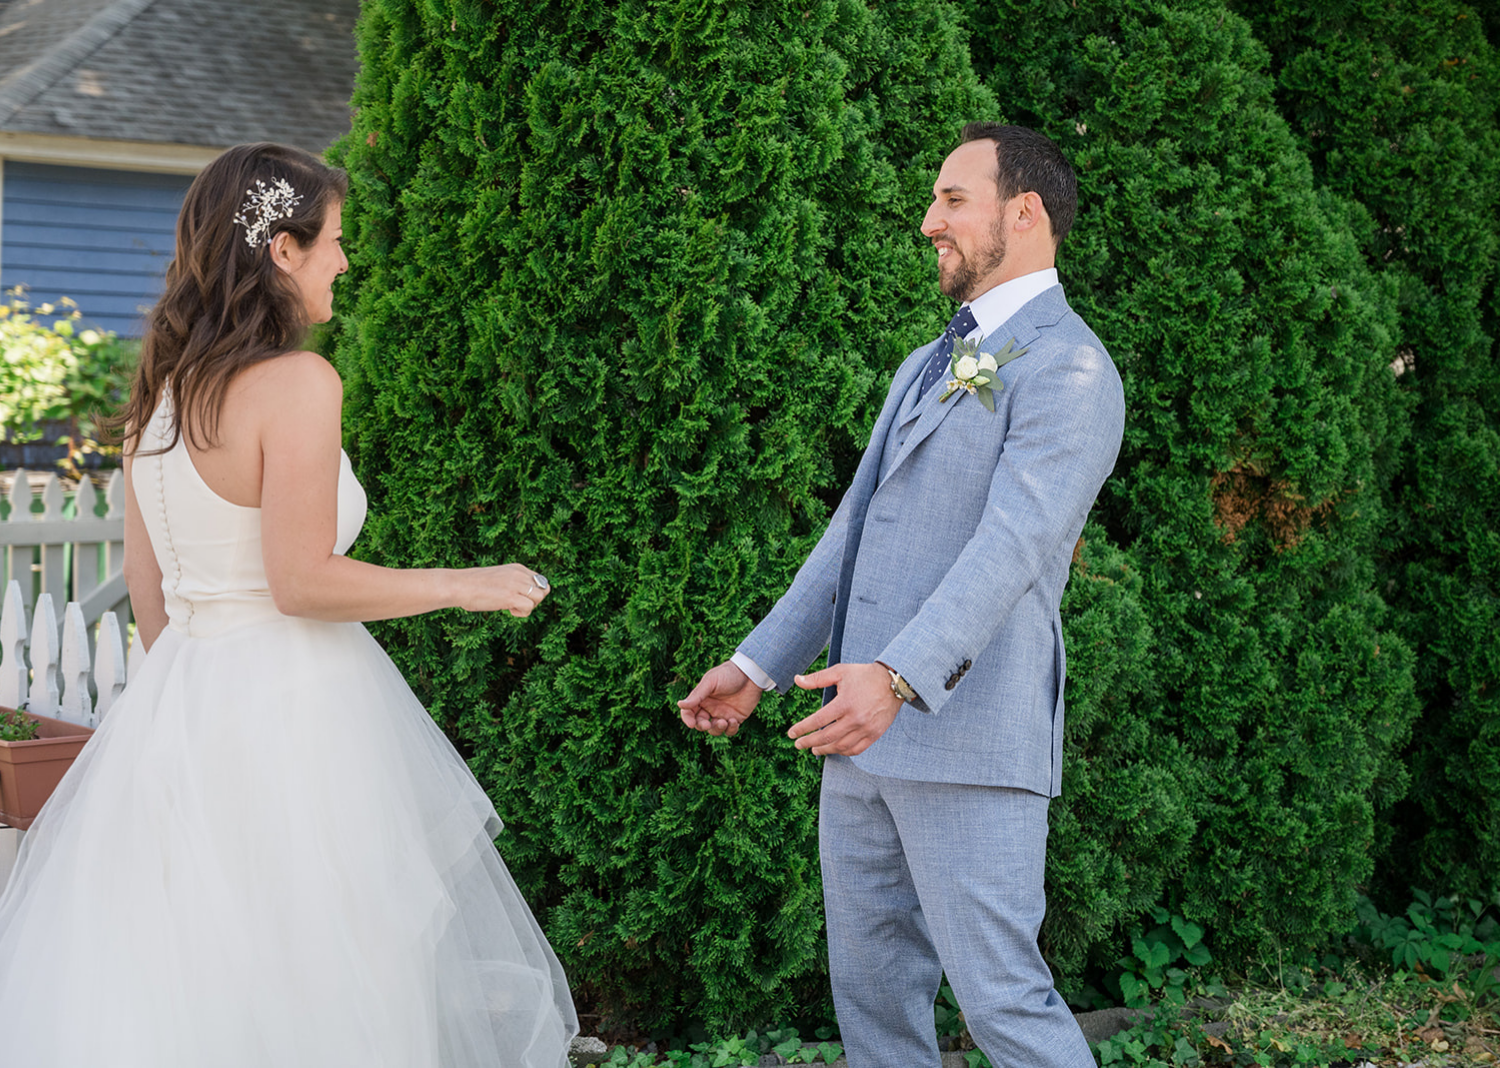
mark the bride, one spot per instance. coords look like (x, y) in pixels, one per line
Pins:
(268, 856)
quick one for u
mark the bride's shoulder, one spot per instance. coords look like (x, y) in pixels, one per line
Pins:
(292, 379)
(285, 398)
(296, 368)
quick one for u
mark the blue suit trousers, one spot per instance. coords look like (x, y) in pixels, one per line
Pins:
(922, 878)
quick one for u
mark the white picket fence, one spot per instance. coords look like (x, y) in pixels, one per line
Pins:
(69, 677)
(75, 674)
(35, 546)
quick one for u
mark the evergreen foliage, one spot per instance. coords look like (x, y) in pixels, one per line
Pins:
(1237, 697)
(1396, 107)
(629, 281)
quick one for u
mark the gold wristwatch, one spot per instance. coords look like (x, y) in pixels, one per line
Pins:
(899, 686)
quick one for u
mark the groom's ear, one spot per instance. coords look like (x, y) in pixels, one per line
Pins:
(1030, 212)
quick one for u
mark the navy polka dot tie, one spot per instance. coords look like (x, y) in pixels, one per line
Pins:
(960, 326)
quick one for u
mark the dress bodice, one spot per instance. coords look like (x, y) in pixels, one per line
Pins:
(212, 572)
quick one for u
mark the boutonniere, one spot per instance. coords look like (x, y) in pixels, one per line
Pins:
(978, 373)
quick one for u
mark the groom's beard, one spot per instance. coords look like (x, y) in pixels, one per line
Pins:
(960, 283)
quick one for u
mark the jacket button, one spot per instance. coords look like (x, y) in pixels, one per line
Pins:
(967, 665)
(952, 681)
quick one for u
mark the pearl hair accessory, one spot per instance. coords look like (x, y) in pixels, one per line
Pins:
(266, 204)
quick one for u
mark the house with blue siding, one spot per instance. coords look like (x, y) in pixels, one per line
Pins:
(108, 108)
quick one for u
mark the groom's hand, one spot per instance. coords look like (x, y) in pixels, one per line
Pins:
(852, 722)
(723, 699)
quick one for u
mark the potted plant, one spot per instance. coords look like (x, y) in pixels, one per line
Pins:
(35, 753)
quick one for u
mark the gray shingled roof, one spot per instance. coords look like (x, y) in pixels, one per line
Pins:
(191, 72)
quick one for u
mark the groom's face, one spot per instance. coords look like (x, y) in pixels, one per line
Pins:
(966, 222)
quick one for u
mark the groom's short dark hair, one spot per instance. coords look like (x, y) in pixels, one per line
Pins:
(1027, 161)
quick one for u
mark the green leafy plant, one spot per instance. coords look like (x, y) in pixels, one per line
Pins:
(1307, 1016)
(946, 1013)
(57, 376)
(950, 1026)
(732, 1052)
(1377, 1000)
(16, 726)
(1442, 938)
(827, 1052)
(1152, 1043)
(1158, 962)
(621, 1057)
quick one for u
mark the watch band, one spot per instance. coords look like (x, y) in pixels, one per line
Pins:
(899, 686)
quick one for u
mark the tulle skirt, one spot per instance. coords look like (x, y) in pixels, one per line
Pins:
(268, 856)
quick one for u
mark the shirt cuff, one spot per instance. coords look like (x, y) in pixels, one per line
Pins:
(752, 669)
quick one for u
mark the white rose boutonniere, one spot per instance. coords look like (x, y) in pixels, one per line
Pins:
(979, 373)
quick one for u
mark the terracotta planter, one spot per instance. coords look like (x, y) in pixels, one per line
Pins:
(30, 771)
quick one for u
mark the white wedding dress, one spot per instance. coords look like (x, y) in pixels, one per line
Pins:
(268, 856)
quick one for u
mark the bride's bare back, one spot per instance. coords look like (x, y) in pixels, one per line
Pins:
(234, 465)
(278, 449)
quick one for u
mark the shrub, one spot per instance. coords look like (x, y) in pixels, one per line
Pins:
(1234, 774)
(1124, 825)
(1395, 106)
(58, 377)
(628, 282)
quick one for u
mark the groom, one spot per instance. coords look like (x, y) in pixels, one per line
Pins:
(936, 590)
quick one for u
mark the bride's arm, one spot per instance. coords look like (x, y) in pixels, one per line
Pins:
(142, 573)
(298, 412)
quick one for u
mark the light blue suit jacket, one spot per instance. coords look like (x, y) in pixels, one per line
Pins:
(949, 565)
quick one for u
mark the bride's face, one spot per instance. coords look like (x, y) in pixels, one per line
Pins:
(314, 268)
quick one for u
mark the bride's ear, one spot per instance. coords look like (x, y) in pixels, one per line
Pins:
(285, 253)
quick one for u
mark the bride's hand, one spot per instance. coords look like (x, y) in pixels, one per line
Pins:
(513, 588)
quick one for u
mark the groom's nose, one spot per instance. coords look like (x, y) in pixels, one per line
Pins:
(932, 222)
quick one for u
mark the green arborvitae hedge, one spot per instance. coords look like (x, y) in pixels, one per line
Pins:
(1238, 697)
(627, 283)
(1396, 107)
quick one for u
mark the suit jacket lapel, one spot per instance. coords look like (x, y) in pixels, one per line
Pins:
(1024, 326)
(863, 488)
(906, 376)
(868, 472)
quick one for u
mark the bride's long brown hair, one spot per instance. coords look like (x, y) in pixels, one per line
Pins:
(226, 306)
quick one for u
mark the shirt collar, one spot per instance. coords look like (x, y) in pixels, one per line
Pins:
(994, 306)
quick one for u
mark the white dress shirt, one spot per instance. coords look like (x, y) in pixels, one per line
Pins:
(991, 309)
